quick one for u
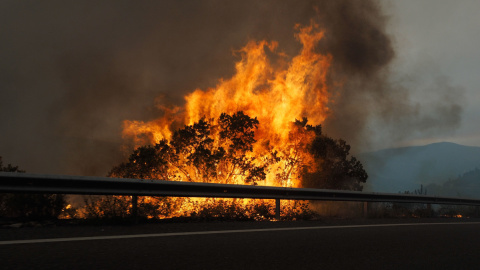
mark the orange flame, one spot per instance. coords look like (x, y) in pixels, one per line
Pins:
(276, 94)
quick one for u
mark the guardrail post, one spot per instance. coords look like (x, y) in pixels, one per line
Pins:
(365, 209)
(277, 209)
(134, 208)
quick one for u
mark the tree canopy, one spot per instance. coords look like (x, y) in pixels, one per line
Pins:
(202, 152)
(333, 168)
(222, 151)
(9, 167)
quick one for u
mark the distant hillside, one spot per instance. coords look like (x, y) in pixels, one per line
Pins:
(466, 186)
(402, 169)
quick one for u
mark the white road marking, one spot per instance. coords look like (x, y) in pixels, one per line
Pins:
(89, 238)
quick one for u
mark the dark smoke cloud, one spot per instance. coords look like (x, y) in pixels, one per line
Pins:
(370, 101)
(356, 36)
(71, 72)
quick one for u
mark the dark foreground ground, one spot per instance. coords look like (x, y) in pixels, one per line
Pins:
(325, 244)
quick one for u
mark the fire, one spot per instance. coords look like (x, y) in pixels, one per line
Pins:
(274, 93)
(266, 96)
(276, 96)
(201, 208)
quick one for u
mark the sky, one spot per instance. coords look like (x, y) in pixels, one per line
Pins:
(70, 73)
(440, 39)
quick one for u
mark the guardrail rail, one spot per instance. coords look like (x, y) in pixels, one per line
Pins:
(89, 185)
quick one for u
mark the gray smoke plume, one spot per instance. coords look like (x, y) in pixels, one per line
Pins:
(71, 72)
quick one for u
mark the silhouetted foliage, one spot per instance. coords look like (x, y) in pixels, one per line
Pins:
(466, 185)
(9, 167)
(120, 207)
(222, 152)
(202, 152)
(333, 168)
(420, 191)
(31, 206)
(194, 155)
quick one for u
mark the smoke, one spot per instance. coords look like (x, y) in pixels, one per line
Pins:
(71, 72)
(373, 107)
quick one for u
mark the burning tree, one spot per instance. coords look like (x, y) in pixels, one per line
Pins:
(225, 150)
(332, 166)
(222, 151)
(220, 142)
(207, 151)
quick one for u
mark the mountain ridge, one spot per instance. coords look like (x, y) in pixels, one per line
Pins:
(406, 168)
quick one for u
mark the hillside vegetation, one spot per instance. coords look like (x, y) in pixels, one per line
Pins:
(436, 166)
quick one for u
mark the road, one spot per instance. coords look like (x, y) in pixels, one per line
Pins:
(274, 245)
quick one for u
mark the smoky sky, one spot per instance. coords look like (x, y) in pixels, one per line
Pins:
(71, 72)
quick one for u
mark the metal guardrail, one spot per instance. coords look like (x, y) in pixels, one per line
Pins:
(61, 184)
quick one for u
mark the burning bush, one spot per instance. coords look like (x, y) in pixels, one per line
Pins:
(219, 142)
(225, 150)
(207, 151)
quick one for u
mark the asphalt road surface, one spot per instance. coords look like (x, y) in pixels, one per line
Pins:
(273, 245)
